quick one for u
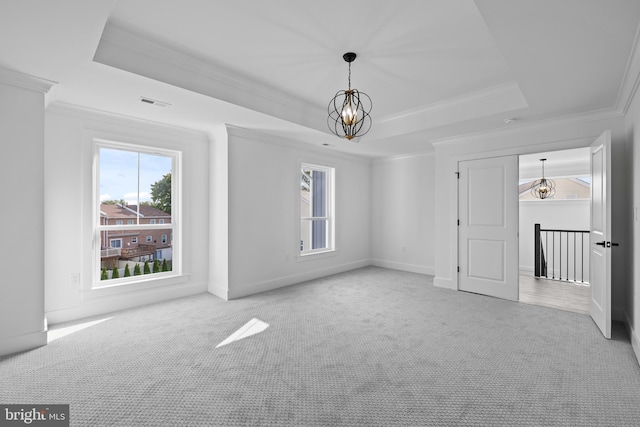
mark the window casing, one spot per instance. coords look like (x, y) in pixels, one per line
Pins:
(108, 231)
(316, 209)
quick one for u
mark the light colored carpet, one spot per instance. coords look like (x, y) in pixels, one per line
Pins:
(363, 348)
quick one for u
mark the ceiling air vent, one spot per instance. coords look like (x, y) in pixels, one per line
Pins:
(154, 102)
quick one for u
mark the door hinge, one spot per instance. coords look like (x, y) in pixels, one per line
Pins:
(458, 269)
(457, 174)
(458, 222)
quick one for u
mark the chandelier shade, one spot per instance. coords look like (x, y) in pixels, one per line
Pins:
(349, 109)
(543, 188)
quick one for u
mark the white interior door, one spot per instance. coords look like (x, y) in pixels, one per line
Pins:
(600, 236)
(488, 227)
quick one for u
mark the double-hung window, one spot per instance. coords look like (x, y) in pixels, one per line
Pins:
(316, 209)
(132, 184)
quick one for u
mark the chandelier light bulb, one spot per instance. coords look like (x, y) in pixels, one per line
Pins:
(349, 115)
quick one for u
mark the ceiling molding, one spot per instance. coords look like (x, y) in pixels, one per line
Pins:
(504, 98)
(631, 79)
(505, 90)
(402, 157)
(26, 81)
(610, 113)
(263, 136)
(122, 120)
(127, 51)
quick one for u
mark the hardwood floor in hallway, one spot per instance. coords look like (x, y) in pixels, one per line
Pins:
(566, 296)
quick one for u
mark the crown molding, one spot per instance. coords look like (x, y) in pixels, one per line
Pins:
(502, 91)
(122, 120)
(262, 136)
(499, 99)
(592, 116)
(390, 159)
(26, 81)
(631, 78)
(131, 52)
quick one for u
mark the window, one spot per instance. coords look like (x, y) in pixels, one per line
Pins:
(152, 221)
(316, 209)
(164, 238)
(161, 221)
(133, 182)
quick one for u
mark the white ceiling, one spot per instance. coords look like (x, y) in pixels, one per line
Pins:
(434, 69)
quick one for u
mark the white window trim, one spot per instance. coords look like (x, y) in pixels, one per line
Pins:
(175, 225)
(330, 250)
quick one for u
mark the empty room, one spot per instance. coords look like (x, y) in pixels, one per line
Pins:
(292, 213)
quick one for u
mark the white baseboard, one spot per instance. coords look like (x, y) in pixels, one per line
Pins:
(219, 291)
(412, 268)
(243, 290)
(526, 270)
(633, 336)
(23, 342)
(104, 305)
(442, 282)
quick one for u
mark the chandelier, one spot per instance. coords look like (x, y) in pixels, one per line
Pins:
(543, 188)
(349, 109)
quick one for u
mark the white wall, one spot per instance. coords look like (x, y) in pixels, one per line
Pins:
(632, 130)
(550, 214)
(67, 198)
(264, 212)
(22, 321)
(402, 213)
(525, 139)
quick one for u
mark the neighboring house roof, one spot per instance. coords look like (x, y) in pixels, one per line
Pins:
(119, 211)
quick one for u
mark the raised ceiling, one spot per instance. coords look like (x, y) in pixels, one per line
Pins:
(435, 69)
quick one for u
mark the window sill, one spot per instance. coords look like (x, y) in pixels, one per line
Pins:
(139, 285)
(316, 255)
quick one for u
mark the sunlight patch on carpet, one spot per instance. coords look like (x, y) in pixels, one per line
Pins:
(252, 327)
(55, 334)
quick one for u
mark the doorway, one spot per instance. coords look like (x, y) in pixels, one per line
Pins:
(554, 231)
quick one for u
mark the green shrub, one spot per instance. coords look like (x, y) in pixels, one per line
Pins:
(156, 266)
(165, 266)
(147, 269)
(104, 275)
(136, 270)
(127, 273)
(115, 274)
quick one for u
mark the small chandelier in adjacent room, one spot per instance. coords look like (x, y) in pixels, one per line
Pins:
(543, 188)
(349, 109)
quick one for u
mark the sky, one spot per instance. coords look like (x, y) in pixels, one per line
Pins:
(119, 174)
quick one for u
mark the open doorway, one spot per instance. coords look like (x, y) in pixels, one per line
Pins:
(554, 230)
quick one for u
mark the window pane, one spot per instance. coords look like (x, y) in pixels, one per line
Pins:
(305, 193)
(319, 194)
(119, 183)
(121, 247)
(313, 234)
